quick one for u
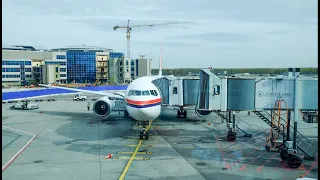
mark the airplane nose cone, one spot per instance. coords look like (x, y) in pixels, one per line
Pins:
(149, 114)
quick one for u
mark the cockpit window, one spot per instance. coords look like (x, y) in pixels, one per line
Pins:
(145, 93)
(130, 92)
(137, 93)
(154, 92)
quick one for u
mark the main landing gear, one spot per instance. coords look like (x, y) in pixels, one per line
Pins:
(181, 112)
(143, 133)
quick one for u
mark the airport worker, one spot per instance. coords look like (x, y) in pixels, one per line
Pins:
(88, 106)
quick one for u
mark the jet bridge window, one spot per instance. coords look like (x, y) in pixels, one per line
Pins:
(175, 90)
(216, 90)
(145, 93)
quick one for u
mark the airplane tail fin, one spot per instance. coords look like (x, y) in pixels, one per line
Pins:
(160, 61)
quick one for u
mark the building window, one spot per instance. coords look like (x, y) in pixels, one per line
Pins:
(137, 68)
(57, 69)
(61, 57)
(63, 69)
(62, 75)
(127, 63)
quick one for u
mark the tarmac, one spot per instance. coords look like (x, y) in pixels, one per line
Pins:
(73, 143)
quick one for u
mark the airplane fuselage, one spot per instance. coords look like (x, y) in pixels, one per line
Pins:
(143, 99)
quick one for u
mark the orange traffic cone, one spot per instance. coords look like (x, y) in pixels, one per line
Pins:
(109, 156)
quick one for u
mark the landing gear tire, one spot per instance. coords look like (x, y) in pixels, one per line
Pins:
(147, 135)
(232, 136)
(293, 161)
(141, 135)
(184, 113)
(178, 113)
(283, 153)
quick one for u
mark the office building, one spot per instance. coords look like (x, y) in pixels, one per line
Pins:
(86, 64)
(118, 69)
(140, 67)
(16, 72)
(37, 58)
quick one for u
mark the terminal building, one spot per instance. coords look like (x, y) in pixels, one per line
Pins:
(73, 64)
(140, 67)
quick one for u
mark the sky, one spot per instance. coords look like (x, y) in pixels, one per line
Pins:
(224, 33)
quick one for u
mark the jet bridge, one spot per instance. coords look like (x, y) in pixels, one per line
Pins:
(178, 92)
(223, 95)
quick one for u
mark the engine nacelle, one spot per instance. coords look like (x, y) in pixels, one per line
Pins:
(103, 106)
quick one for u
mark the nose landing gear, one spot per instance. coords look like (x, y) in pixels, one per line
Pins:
(144, 134)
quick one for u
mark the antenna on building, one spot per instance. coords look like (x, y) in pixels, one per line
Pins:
(142, 56)
(160, 61)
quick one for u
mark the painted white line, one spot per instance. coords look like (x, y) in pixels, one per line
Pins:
(20, 151)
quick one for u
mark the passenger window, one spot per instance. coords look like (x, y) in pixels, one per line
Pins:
(145, 93)
(137, 93)
(152, 92)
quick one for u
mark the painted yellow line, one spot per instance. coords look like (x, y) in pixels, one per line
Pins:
(128, 157)
(137, 152)
(142, 145)
(133, 155)
(139, 138)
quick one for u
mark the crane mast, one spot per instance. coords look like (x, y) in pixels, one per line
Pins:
(129, 28)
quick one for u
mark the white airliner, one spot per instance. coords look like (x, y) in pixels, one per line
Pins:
(142, 100)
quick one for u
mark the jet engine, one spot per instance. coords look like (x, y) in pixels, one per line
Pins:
(103, 106)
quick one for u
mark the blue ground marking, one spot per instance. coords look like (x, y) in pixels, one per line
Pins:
(42, 92)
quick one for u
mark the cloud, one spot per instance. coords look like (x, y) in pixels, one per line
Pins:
(218, 37)
(246, 33)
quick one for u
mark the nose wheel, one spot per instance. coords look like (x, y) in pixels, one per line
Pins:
(143, 133)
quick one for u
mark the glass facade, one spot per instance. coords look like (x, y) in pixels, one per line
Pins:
(81, 66)
(61, 57)
(55, 62)
(16, 62)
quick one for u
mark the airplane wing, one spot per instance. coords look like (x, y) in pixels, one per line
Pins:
(109, 94)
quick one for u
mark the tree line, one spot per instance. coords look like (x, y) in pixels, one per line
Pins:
(271, 71)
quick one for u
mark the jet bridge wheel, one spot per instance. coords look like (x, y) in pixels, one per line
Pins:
(293, 161)
(182, 113)
(283, 153)
(232, 136)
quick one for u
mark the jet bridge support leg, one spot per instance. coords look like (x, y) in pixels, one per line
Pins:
(232, 135)
(181, 112)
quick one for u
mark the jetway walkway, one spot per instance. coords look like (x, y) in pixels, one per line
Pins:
(303, 143)
(224, 95)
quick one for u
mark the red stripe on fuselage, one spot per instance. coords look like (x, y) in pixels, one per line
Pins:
(143, 102)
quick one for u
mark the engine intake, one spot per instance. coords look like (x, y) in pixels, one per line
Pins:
(102, 107)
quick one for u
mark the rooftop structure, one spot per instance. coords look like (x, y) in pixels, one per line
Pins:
(83, 47)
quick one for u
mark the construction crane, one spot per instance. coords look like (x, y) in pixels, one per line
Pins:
(129, 28)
